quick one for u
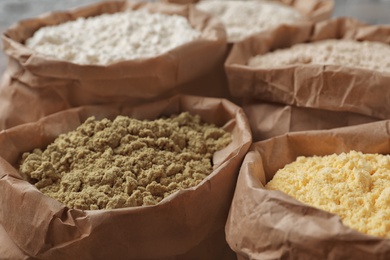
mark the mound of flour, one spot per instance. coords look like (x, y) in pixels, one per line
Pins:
(114, 37)
(243, 18)
(348, 53)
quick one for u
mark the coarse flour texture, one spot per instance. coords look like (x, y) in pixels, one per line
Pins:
(348, 53)
(106, 164)
(108, 38)
(354, 185)
(244, 18)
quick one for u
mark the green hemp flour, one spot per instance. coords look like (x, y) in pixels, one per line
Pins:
(126, 162)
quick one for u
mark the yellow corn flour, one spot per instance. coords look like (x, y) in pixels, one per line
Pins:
(126, 162)
(354, 185)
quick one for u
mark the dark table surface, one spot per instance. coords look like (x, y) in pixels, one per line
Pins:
(369, 11)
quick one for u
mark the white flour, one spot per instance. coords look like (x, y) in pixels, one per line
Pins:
(348, 53)
(243, 18)
(113, 37)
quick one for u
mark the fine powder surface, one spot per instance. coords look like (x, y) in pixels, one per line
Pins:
(109, 38)
(244, 18)
(354, 185)
(126, 162)
(347, 53)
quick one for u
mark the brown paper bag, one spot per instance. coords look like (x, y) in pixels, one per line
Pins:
(313, 10)
(266, 224)
(329, 87)
(270, 119)
(186, 225)
(50, 85)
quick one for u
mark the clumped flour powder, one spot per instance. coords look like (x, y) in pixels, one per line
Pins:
(108, 38)
(126, 162)
(349, 53)
(243, 18)
(353, 185)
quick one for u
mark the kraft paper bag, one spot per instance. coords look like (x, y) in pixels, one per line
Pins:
(312, 10)
(265, 224)
(328, 87)
(51, 85)
(189, 224)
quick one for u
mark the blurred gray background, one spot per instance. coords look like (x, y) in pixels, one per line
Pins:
(369, 11)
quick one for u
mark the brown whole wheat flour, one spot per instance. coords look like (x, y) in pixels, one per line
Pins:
(125, 162)
(349, 53)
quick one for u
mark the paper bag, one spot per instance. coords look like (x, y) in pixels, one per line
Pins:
(329, 87)
(313, 10)
(50, 85)
(189, 224)
(265, 224)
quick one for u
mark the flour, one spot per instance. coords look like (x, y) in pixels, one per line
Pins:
(347, 53)
(243, 18)
(106, 164)
(113, 37)
(353, 185)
